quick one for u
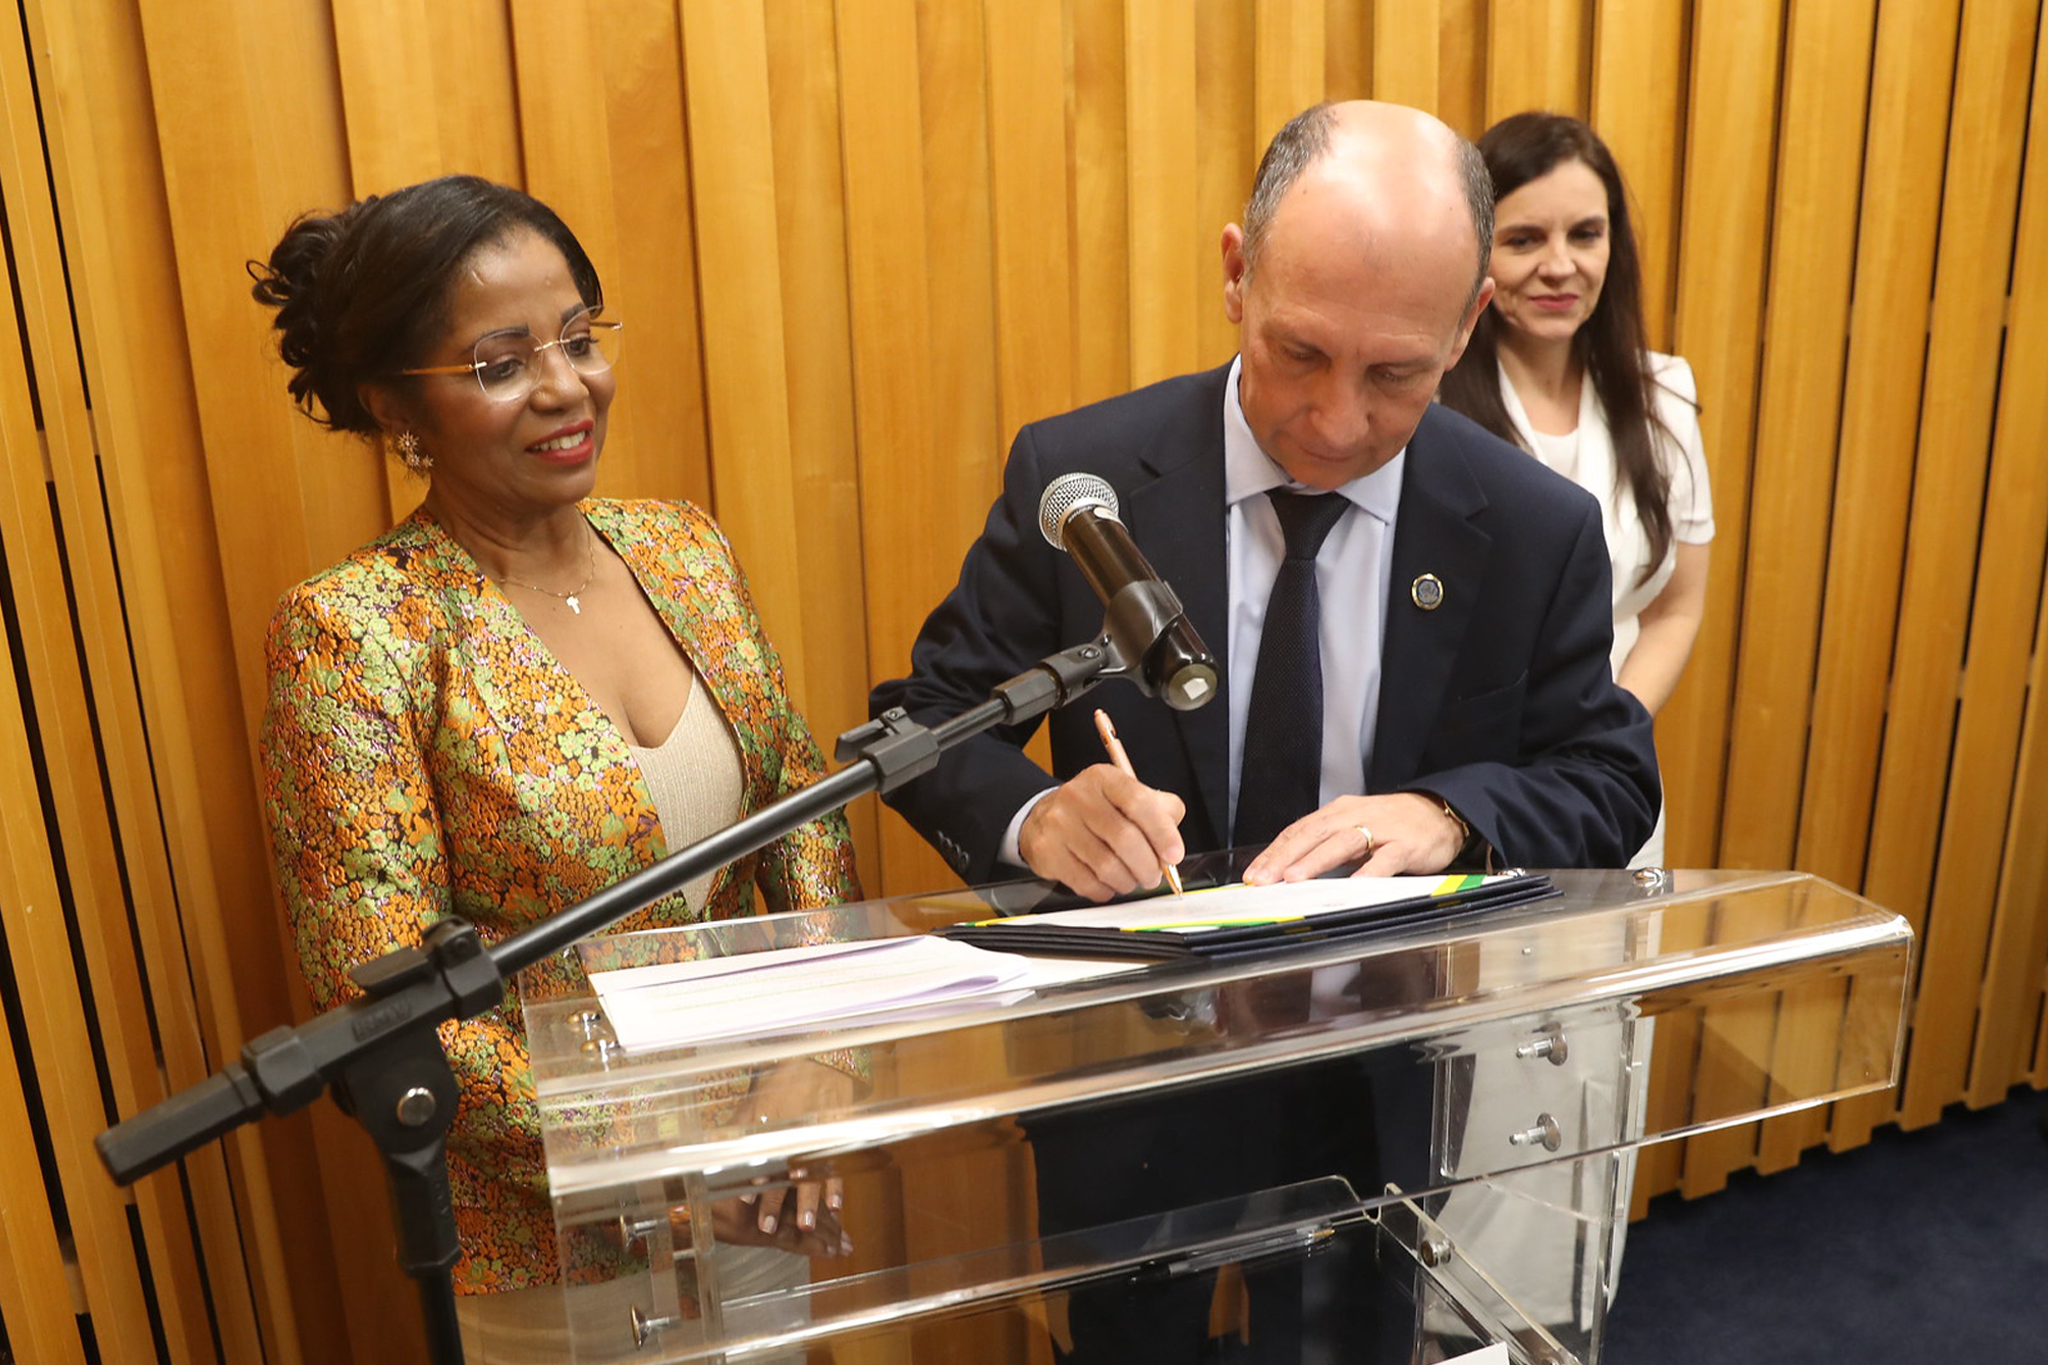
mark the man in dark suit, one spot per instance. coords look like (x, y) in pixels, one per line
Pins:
(1469, 709)
(1461, 706)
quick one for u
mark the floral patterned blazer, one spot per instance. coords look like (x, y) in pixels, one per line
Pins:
(424, 754)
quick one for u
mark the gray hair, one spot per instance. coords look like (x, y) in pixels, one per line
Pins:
(1305, 139)
(1478, 182)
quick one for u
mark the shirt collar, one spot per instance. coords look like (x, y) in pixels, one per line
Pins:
(1249, 472)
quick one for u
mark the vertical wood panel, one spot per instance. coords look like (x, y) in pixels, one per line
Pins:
(475, 90)
(35, 1295)
(639, 50)
(901, 494)
(954, 104)
(1536, 57)
(811, 226)
(2013, 993)
(1407, 49)
(1462, 48)
(1101, 240)
(1288, 63)
(1348, 52)
(1226, 158)
(1027, 123)
(1162, 164)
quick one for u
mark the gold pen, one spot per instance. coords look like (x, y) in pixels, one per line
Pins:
(1123, 765)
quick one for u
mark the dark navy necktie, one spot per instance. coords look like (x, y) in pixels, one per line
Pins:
(1280, 770)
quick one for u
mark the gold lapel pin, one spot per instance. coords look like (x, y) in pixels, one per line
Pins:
(1427, 592)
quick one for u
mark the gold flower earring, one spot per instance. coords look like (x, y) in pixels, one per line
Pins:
(406, 447)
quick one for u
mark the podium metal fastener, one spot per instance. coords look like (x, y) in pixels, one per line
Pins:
(647, 1327)
(633, 1231)
(1545, 1134)
(1552, 1045)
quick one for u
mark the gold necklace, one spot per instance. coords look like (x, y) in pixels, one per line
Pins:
(571, 596)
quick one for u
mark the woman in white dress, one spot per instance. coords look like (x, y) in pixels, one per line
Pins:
(1558, 366)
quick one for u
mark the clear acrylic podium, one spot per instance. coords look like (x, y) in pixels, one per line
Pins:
(1542, 1045)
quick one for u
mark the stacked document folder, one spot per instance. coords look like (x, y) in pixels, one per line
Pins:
(1233, 921)
(754, 995)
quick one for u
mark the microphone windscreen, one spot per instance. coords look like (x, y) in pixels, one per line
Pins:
(1068, 494)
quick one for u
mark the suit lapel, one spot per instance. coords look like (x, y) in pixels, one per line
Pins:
(1433, 534)
(1180, 512)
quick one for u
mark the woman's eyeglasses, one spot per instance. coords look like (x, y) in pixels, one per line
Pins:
(508, 364)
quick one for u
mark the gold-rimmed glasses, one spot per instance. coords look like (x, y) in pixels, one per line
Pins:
(508, 363)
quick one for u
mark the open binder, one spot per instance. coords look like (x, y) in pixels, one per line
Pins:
(1239, 921)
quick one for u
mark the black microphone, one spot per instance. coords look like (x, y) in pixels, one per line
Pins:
(1145, 621)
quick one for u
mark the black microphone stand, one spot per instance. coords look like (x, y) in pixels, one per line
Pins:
(380, 1053)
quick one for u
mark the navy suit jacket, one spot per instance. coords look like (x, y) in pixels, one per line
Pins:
(1500, 700)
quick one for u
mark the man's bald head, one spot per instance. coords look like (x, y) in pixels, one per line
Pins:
(1365, 291)
(1406, 151)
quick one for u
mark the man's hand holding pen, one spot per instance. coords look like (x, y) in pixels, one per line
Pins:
(1122, 760)
(1103, 833)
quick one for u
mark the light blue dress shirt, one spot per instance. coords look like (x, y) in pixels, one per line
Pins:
(1352, 570)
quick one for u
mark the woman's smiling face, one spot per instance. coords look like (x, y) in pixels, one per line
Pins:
(1550, 248)
(525, 456)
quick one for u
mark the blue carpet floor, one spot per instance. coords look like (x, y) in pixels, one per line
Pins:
(1923, 1246)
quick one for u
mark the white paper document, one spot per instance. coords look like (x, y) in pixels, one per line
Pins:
(1496, 1354)
(755, 994)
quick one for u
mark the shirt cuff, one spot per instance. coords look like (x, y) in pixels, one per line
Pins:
(1007, 850)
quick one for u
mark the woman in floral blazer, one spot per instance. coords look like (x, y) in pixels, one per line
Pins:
(468, 715)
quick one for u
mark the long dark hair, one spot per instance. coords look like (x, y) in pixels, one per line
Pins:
(1610, 346)
(361, 293)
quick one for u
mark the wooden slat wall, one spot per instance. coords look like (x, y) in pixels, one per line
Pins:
(859, 242)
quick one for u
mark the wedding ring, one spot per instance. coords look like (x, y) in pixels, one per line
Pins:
(1366, 834)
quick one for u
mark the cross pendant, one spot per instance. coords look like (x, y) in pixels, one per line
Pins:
(574, 605)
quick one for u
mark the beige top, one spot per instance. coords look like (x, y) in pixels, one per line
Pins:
(694, 780)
